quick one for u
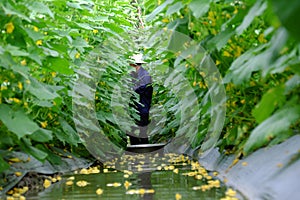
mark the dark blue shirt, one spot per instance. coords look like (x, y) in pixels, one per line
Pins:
(143, 86)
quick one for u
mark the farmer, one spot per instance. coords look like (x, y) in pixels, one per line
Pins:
(142, 85)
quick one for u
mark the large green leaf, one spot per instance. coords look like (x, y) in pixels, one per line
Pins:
(158, 10)
(17, 121)
(11, 10)
(60, 65)
(174, 8)
(3, 165)
(288, 13)
(15, 51)
(43, 91)
(199, 7)
(30, 149)
(69, 134)
(292, 83)
(42, 135)
(279, 123)
(270, 100)
(39, 7)
(259, 7)
(220, 40)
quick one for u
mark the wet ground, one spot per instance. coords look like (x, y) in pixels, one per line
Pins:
(160, 177)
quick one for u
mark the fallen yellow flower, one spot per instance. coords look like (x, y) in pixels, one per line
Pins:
(69, 183)
(113, 184)
(230, 192)
(18, 174)
(127, 184)
(99, 191)
(47, 183)
(81, 183)
(178, 196)
(15, 160)
(176, 171)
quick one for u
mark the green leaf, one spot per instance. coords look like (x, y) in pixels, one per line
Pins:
(35, 152)
(34, 35)
(69, 134)
(220, 40)
(158, 10)
(84, 26)
(42, 135)
(277, 124)
(3, 165)
(270, 100)
(39, 7)
(174, 8)
(42, 91)
(99, 19)
(113, 27)
(15, 51)
(60, 65)
(293, 83)
(288, 14)
(199, 7)
(10, 10)
(17, 121)
(258, 8)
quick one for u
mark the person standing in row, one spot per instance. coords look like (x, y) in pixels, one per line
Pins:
(142, 85)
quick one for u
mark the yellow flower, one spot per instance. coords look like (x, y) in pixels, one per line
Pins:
(44, 124)
(230, 192)
(53, 180)
(84, 171)
(141, 191)
(82, 183)
(99, 191)
(113, 184)
(69, 183)
(261, 38)
(16, 100)
(22, 198)
(194, 83)
(238, 51)
(9, 27)
(127, 184)
(178, 196)
(39, 42)
(165, 20)
(218, 62)
(20, 85)
(95, 31)
(227, 54)
(47, 183)
(18, 174)
(77, 55)
(36, 29)
(23, 62)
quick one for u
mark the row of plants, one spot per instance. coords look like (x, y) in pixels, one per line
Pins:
(43, 47)
(255, 46)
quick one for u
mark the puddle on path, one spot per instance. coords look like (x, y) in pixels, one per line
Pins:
(141, 177)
